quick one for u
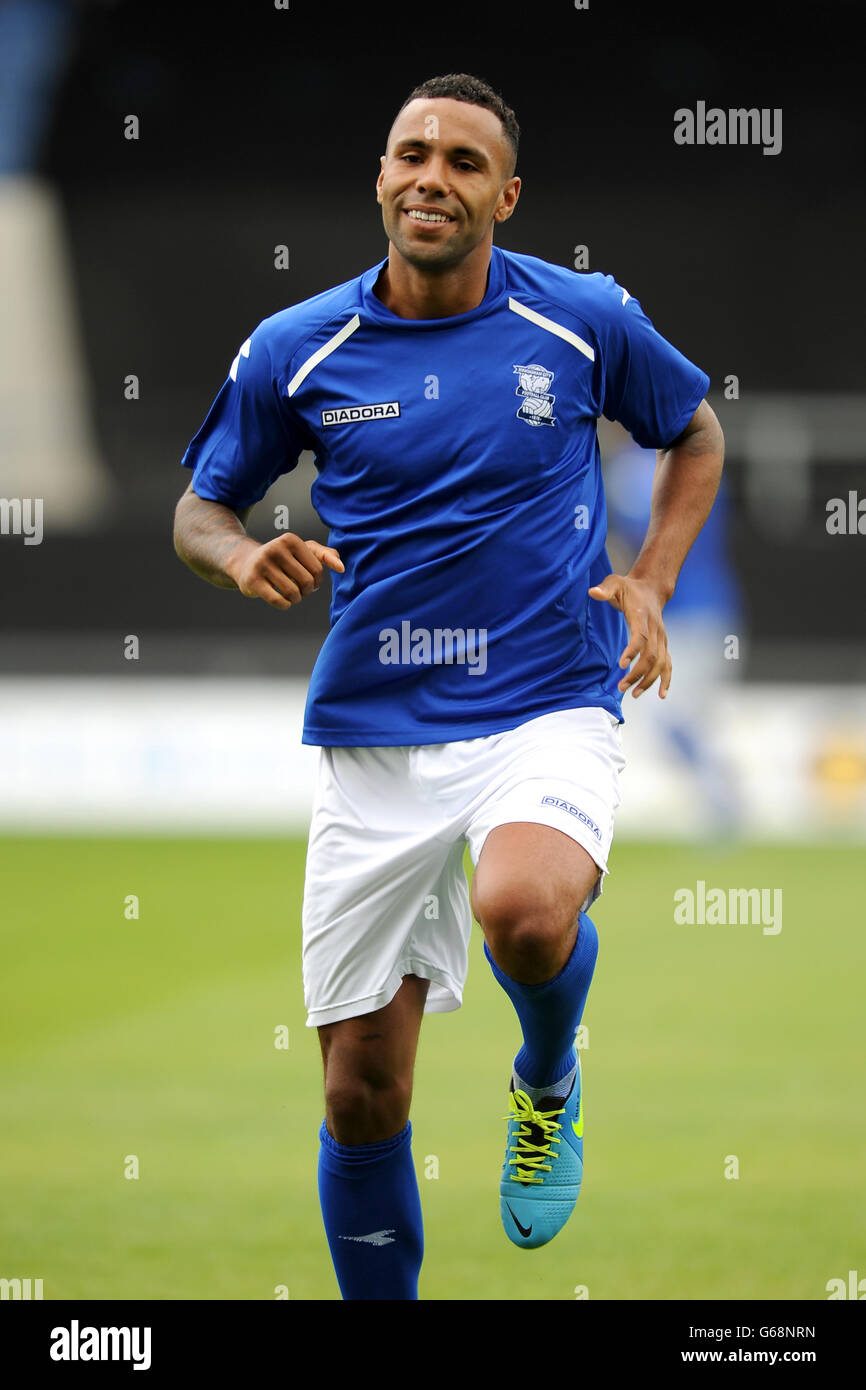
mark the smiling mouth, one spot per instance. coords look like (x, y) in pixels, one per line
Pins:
(428, 219)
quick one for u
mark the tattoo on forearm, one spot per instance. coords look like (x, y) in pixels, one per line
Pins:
(205, 535)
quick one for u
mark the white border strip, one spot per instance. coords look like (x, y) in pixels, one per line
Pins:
(552, 327)
(321, 353)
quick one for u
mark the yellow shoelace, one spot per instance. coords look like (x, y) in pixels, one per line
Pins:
(531, 1156)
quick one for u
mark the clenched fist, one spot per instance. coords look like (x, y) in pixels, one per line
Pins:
(282, 571)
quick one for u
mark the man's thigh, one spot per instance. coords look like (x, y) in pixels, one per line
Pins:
(543, 833)
(385, 895)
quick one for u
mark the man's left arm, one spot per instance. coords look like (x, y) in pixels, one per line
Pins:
(686, 482)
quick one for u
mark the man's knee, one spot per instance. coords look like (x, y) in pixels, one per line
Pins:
(528, 928)
(365, 1100)
(369, 1063)
(358, 1113)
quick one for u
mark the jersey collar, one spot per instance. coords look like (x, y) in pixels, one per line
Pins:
(375, 309)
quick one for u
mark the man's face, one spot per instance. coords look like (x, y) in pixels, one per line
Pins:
(451, 161)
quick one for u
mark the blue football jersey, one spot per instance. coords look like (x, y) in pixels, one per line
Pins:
(459, 476)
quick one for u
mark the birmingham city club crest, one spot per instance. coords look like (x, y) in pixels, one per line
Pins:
(534, 386)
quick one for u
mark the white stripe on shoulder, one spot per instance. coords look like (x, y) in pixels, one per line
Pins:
(243, 351)
(552, 327)
(321, 353)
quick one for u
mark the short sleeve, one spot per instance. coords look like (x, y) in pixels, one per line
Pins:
(250, 436)
(648, 385)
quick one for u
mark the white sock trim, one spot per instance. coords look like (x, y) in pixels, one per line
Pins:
(554, 1088)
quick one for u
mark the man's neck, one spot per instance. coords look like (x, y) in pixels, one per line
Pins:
(411, 292)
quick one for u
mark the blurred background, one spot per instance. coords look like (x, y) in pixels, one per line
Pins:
(152, 160)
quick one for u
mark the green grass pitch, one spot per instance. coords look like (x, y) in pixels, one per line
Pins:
(154, 1037)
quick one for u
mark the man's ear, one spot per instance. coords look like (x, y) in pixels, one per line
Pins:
(380, 178)
(508, 199)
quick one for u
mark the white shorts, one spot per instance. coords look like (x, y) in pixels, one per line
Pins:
(385, 893)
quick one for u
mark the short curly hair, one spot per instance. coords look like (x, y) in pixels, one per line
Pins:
(461, 86)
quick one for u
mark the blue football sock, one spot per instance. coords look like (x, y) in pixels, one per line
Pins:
(550, 1012)
(372, 1214)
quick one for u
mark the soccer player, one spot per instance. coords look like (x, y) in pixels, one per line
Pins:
(469, 689)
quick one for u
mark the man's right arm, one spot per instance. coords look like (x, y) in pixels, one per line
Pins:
(211, 538)
(207, 535)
